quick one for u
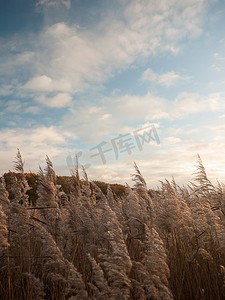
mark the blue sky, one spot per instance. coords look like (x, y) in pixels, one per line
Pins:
(77, 75)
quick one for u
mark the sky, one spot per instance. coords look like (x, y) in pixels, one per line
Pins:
(113, 83)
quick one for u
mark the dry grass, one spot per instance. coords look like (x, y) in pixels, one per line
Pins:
(170, 245)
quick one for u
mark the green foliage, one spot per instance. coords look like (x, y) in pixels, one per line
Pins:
(118, 189)
(65, 182)
(32, 180)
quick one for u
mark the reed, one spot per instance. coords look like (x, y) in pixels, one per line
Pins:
(163, 244)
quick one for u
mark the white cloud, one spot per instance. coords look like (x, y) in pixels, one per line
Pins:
(53, 3)
(25, 57)
(105, 116)
(165, 79)
(32, 110)
(58, 101)
(173, 20)
(13, 106)
(7, 89)
(217, 56)
(171, 140)
(36, 136)
(64, 59)
(34, 144)
(172, 158)
(67, 58)
(217, 101)
(46, 84)
(42, 83)
(189, 103)
(121, 114)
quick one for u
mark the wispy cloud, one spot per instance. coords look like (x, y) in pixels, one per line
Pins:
(69, 65)
(217, 56)
(171, 140)
(114, 115)
(65, 58)
(34, 143)
(32, 110)
(53, 3)
(58, 101)
(165, 79)
(46, 84)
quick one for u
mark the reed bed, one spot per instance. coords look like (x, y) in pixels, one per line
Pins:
(160, 244)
